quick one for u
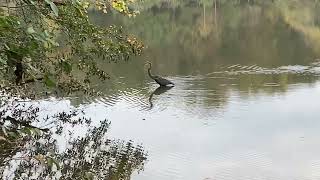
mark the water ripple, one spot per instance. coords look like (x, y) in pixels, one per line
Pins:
(311, 69)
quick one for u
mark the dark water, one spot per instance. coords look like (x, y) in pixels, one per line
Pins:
(245, 102)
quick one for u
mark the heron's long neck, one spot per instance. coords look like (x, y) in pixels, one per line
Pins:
(149, 73)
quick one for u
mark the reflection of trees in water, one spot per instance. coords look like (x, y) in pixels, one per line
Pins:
(200, 36)
(26, 151)
(105, 158)
(192, 38)
(270, 84)
(303, 17)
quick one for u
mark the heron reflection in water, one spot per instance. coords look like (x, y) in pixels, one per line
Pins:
(158, 91)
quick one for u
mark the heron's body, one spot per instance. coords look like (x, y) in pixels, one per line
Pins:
(161, 81)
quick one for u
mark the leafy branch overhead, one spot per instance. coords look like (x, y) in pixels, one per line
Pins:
(55, 42)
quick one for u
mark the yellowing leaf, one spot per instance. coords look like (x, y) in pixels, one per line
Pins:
(40, 158)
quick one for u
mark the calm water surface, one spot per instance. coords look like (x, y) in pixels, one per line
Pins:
(246, 101)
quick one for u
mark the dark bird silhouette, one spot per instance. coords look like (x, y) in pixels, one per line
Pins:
(161, 81)
(158, 91)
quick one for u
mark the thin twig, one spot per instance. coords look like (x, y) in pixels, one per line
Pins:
(14, 121)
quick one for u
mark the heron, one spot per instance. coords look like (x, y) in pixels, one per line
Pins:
(161, 81)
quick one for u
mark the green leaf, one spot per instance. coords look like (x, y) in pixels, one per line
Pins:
(33, 45)
(52, 42)
(54, 9)
(4, 130)
(46, 33)
(88, 176)
(13, 134)
(27, 130)
(36, 131)
(51, 161)
(2, 61)
(32, 2)
(30, 30)
(67, 67)
(56, 163)
(48, 81)
(119, 6)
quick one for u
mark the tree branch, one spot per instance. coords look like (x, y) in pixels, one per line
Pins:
(14, 121)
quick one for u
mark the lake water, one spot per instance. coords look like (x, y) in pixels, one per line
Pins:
(245, 104)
